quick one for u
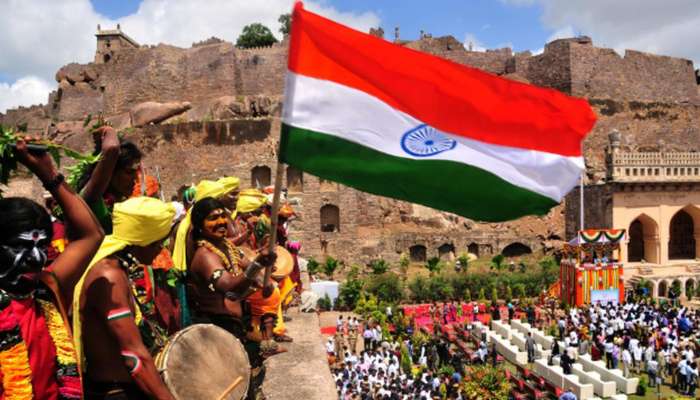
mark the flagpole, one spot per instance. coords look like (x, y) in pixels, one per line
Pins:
(274, 218)
(581, 206)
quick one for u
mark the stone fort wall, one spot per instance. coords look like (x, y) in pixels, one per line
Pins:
(646, 97)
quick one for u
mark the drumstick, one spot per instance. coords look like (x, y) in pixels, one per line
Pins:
(230, 388)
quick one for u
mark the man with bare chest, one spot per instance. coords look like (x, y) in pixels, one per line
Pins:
(117, 364)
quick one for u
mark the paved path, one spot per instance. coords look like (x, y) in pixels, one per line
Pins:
(302, 373)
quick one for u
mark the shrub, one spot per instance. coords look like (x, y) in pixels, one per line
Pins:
(330, 266)
(420, 289)
(379, 266)
(498, 262)
(494, 295)
(440, 288)
(434, 265)
(485, 382)
(509, 294)
(312, 266)
(404, 262)
(324, 303)
(463, 261)
(386, 287)
(349, 292)
(520, 291)
(482, 294)
(406, 362)
(467, 295)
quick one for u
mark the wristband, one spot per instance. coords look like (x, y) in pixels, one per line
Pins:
(54, 183)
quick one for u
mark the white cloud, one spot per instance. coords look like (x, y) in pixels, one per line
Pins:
(662, 27)
(39, 36)
(26, 91)
(470, 40)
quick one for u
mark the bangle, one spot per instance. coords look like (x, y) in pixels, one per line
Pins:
(54, 183)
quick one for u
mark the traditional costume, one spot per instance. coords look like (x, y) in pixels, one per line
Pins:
(37, 358)
(139, 221)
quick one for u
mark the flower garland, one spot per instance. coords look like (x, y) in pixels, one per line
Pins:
(67, 376)
(231, 264)
(14, 356)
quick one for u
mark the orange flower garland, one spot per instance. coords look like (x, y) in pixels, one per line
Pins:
(65, 353)
(16, 372)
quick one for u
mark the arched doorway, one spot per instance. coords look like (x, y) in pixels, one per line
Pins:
(418, 253)
(260, 176)
(635, 248)
(473, 248)
(516, 249)
(642, 244)
(330, 218)
(446, 251)
(681, 244)
(690, 288)
(663, 289)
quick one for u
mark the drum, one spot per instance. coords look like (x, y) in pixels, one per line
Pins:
(284, 264)
(204, 362)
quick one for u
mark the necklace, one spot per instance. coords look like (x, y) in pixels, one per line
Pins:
(231, 259)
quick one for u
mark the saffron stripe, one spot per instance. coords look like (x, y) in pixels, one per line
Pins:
(118, 314)
(448, 96)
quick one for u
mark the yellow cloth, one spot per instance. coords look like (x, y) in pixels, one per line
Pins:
(285, 288)
(229, 183)
(250, 200)
(204, 189)
(139, 221)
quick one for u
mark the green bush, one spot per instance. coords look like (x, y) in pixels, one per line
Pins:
(498, 262)
(467, 295)
(324, 303)
(482, 294)
(379, 266)
(330, 266)
(509, 294)
(312, 266)
(494, 295)
(440, 288)
(420, 289)
(434, 265)
(349, 292)
(406, 362)
(386, 287)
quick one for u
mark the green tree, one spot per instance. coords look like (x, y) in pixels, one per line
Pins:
(494, 295)
(285, 21)
(330, 266)
(379, 266)
(522, 266)
(255, 35)
(482, 294)
(387, 287)
(420, 289)
(433, 265)
(498, 262)
(520, 291)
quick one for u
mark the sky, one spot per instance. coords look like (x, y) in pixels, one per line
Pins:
(39, 36)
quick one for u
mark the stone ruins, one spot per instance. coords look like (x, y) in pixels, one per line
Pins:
(213, 109)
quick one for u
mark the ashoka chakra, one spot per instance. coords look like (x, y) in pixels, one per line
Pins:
(425, 141)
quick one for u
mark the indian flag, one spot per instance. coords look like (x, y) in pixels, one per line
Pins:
(396, 122)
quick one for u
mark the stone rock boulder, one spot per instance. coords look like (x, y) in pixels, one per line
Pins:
(73, 73)
(152, 112)
(230, 107)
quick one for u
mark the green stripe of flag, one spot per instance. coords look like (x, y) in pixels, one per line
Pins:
(472, 191)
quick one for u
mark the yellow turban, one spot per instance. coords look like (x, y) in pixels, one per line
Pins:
(204, 189)
(250, 200)
(229, 183)
(139, 221)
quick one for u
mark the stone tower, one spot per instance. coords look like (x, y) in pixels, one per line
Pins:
(110, 41)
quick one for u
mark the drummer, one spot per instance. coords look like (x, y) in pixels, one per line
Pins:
(110, 331)
(219, 277)
(266, 310)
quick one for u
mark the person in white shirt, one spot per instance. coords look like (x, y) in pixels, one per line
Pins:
(626, 362)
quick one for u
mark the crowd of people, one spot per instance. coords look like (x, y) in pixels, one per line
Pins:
(659, 341)
(93, 283)
(374, 369)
